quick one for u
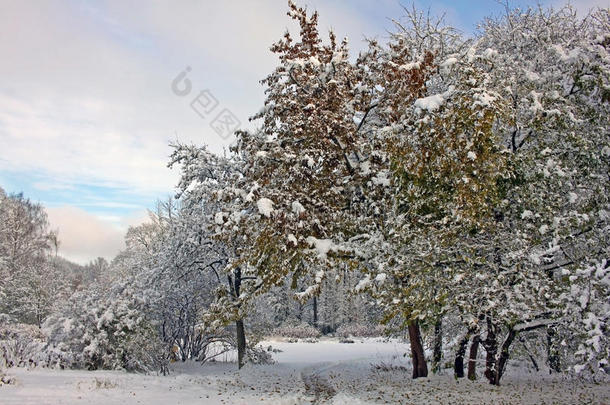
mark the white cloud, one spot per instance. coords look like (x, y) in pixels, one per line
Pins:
(72, 152)
(84, 236)
(86, 87)
(86, 92)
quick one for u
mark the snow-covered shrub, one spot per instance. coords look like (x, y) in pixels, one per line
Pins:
(21, 351)
(5, 379)
(96, 332)
(20, 344)
(302, 331)
(258, 355)
(359, 330)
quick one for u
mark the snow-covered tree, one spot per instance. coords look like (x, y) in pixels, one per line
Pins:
(307, 163)
(553, 67)
(216, 196)
(30, 283)
(499, 175)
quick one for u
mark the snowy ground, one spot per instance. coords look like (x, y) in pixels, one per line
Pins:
(337, 373)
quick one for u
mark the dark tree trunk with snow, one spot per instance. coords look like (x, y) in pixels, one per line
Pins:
(491, 347)
(438, 345)
(458, 364)
(420, 368)
(241, 343)
(315, 312)
(552, 352)
(472, 358)
(239, 324)
(504, 354)
(496, 364)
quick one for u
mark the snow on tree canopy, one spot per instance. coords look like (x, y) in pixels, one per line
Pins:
(322, 246)
(430, 103)
(297, 207)
(363, 284)
(265, 206)
(433, 102)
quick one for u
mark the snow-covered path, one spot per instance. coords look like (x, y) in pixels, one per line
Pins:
(348, 369)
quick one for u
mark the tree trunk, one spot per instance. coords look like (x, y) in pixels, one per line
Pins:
(491, 347)
(496, 365)
(529, 354)
(504, 354)
(239, 324)
(552, 352)
(438, 345)
(420, 368)
(241, 342)
(315, 312)
(299, 314)
(472, 358)
(458, 364)
(534, 362)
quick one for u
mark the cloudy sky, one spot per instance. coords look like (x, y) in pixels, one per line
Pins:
(87, 108)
